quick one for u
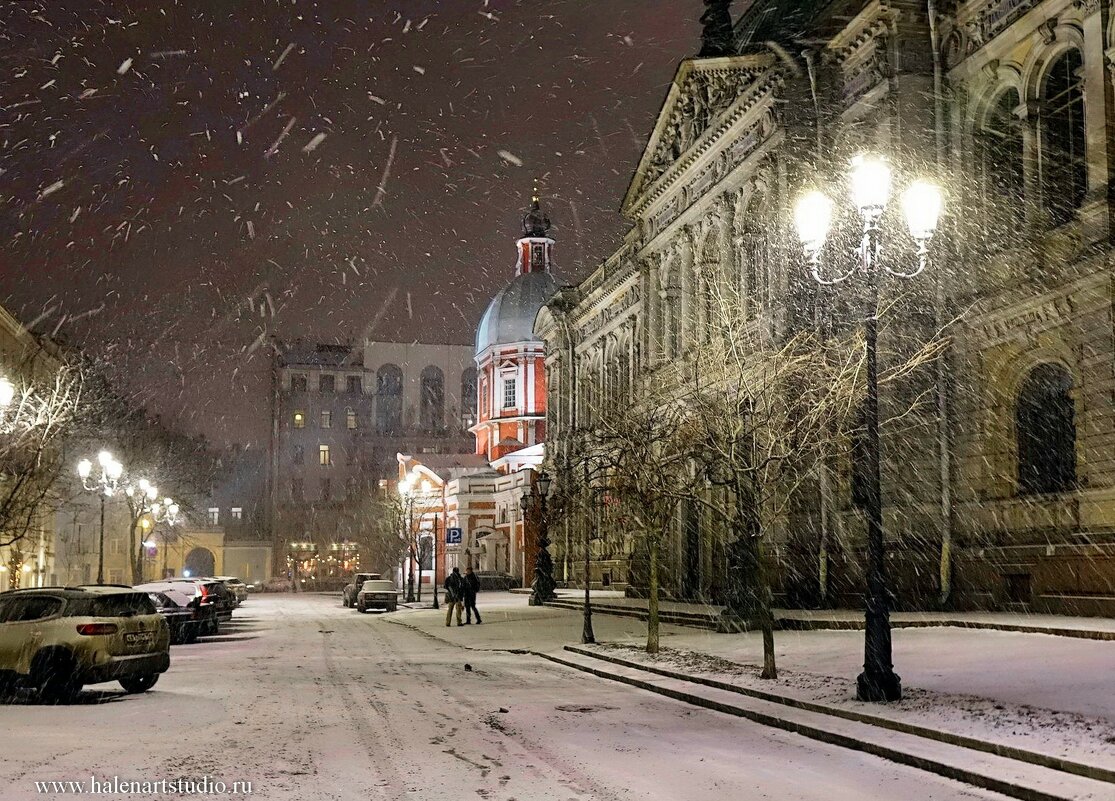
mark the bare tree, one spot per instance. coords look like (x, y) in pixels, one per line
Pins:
(640, 453)
(41, 413)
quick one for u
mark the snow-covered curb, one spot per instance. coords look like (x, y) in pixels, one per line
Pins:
(1084, 745)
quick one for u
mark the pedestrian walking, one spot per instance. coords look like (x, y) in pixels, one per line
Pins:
(454, 595)
(472, 586)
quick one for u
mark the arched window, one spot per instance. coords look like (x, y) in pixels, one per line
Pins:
(1046, 429)
(1064, 166)
(468, 397)
(999, 161)
(389, 399)
(432, 409)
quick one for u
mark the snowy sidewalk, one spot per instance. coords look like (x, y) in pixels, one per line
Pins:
(1010, 689)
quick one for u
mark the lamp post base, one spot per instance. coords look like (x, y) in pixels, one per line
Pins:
(877, 687)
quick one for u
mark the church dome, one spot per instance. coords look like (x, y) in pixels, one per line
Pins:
(510, 316)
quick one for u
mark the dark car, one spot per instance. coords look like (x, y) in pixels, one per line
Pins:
(181, 606)
(210, 594)
(352, 589)
(495, 580)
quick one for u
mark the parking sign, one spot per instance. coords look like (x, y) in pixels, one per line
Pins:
(452, 536)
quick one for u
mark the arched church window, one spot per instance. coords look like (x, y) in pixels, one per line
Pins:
(432, 407)
(1064, 166)
(1045, 426)
(468, 397)
(999, 157)
(389, 399)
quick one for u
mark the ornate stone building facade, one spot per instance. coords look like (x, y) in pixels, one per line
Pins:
(999, 489)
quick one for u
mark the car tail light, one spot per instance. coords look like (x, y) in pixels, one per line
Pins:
(91, 629)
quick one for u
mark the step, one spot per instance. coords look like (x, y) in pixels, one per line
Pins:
(1011, 777)
(691, 619)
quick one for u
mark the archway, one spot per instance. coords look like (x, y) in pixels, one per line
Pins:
(200, 562)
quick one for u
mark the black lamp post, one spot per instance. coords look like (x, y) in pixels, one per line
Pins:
(542, 588)
(105, 485)
(869, 185)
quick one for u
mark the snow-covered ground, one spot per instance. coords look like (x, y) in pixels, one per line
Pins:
(308, 700)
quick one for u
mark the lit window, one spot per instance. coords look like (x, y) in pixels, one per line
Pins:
(323, 455)
(350, 418)
(326, 383)
(299, 420)
(509, 393)
(326, 419)
(214, 516)
(237, 513)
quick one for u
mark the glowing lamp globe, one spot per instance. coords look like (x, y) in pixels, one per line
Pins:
(869, 183)
(812, 218)
(922, 203)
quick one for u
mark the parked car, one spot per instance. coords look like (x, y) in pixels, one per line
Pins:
(377, 594)
(238, 587)
(495, 580)
(55, 640)
(183, 610)
(275, 584)
(348, 594)
(210, 593)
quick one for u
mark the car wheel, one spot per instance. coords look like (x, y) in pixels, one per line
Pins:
(54, 676)
(139, 684)
(361, 608)
(189, 634)
(394, 608)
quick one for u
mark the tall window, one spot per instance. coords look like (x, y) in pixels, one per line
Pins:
(298, 383)
(326, 418)
(1046, 429)
(326, 489)
(468, 397)
(510, 400)
(323, 457)
(296, 489)
(354, 385)
(326, 383)
(426, 550)
(350, 418)
(389, 399)
(299, 454)
(213, 516)
(237, 513)
(999, 160)
(299, 419)
(1064, 166)
(432, 410)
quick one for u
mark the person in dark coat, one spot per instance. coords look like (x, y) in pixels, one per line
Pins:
(472, 586)
(454, 595)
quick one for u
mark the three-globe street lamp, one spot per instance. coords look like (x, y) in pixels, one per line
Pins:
(106, 484)
(542, 587)
(165, 512)
(140, 496)
(409, 491)
(869, 184)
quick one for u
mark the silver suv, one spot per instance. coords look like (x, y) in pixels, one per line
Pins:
(57, 639)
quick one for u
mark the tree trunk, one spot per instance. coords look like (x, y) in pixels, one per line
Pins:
(137, 554)
(652, 595)
(766, 619)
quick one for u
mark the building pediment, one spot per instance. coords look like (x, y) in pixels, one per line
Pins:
(700, 97)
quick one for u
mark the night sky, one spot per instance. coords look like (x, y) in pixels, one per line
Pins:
(181, 180)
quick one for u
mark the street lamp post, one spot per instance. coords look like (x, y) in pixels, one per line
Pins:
(165, 512)
(869, 185)
(542, 588)
(106, 484)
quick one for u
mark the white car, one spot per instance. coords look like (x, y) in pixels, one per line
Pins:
(377, 594)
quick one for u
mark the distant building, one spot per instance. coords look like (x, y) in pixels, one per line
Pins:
(339, 416)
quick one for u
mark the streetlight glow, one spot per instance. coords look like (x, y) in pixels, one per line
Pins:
(870, 184)
(922, 203)
(7, 392)
(114, 469)
(84, 468)
(104, 459)
(812, 218)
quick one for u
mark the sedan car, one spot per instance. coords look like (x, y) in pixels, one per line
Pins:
(377, 594)
(182, 608)
(348, 594)
(238, 587)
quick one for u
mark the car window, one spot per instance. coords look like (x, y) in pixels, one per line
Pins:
(124, 604)
(18, 610)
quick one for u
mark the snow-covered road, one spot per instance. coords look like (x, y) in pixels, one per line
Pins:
(308, 700)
